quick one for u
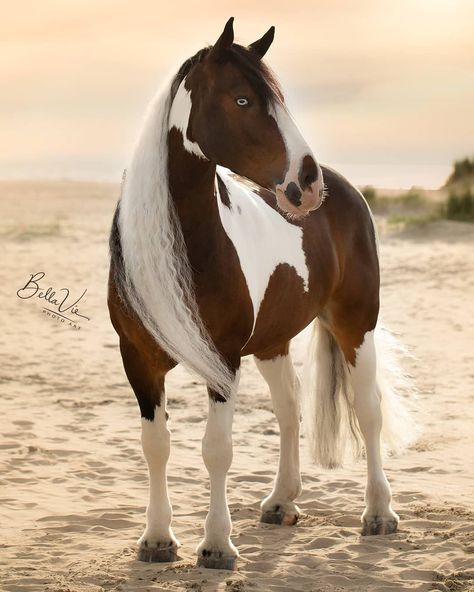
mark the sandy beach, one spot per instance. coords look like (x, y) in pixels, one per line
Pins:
(73, 480)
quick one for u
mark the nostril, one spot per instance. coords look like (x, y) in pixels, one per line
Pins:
(310, 178)
(293, 194)
(308, 172)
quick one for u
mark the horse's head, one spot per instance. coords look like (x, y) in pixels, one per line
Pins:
(236, 117)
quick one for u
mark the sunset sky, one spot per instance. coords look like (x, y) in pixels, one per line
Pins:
(382, 90)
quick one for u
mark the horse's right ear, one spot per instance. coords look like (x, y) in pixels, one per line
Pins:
(261, 46)
(225, 40)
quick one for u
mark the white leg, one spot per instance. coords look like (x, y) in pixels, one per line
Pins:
(378, 517)
(157, 542)
(279, 506)
(216, 550)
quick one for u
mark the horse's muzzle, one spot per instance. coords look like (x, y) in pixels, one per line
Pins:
(297, 201)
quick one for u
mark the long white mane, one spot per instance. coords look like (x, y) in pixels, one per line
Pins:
(158, 280)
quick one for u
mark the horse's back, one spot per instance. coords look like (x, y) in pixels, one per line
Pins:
(343, 228)
(348, 212)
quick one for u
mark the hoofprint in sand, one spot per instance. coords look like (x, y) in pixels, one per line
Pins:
(73, 482)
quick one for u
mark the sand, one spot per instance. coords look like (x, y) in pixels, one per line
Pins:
(73, 482)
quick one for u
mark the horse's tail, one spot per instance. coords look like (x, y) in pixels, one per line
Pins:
(329, 419)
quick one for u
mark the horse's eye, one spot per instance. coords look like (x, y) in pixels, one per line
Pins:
(242, 102)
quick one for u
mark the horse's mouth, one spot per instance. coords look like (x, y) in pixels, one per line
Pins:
(301, 210)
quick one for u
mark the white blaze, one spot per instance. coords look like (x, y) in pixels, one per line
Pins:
(296, 146)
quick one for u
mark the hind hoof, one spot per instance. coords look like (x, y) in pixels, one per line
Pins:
(161, 554)
(216, 560)
(378, 525)
(277, 515)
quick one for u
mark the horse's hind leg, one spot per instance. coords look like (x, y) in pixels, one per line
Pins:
(358, 347)
(277, 369)
(216, 550)
(158, 542)
(378, 517)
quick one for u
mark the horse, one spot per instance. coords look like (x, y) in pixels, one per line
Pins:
(228, 240)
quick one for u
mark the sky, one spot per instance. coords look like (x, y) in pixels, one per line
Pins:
(383, 90)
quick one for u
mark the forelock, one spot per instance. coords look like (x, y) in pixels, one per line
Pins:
(257, 73)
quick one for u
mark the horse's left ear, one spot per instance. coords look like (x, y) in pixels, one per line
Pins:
(261, 46)
(225, 40)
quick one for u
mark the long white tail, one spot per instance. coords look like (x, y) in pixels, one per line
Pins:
(329, 420)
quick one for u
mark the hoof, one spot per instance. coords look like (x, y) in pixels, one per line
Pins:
(277, 515)
(161, 554)
(379, 525)
(216, 560)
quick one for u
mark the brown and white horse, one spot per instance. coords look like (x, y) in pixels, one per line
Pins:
(208, 266)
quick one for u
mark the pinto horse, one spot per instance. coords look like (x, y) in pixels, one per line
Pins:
(228, 240)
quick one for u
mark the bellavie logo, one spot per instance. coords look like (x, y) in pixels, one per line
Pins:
(58, 304)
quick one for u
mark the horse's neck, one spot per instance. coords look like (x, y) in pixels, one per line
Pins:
(192, 185)
(192, 189)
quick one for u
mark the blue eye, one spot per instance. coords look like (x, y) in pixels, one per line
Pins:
(242, 102)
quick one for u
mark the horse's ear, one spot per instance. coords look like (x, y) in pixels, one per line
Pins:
(225, 40)
(261, 46)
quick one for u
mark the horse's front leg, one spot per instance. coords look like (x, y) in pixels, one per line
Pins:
(279, 506)
(158, 542)
(216, 551)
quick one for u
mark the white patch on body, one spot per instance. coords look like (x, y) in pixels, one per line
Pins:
(179, 118)
(262, 238)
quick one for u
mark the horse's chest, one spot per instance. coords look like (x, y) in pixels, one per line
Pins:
(263, 240)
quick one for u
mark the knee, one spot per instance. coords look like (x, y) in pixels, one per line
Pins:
(217, 450)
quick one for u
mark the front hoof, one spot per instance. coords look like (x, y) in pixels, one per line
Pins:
(278, 515)
(216, 560)
(377, 525)
(161, 553)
